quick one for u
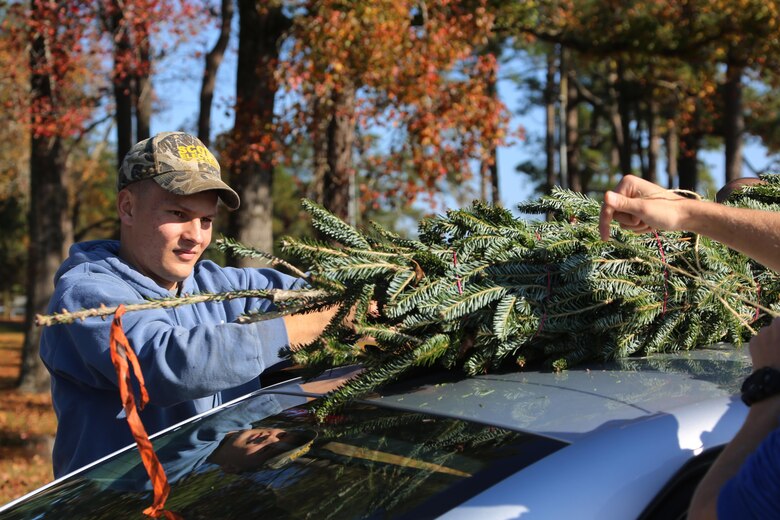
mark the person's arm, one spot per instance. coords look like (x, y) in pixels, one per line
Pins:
(305, 328)
(179, 362)
(301, 328)
(184, 353)
(641, 206)
(761, 421)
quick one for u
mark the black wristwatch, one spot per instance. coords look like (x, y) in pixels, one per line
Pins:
(763, 383)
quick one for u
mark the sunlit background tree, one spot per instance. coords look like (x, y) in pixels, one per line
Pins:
(374, 109)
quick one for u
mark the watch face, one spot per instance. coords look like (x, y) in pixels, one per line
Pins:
(762, 383)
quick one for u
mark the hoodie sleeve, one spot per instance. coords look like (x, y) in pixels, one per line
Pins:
(184, 353)
(754, 493)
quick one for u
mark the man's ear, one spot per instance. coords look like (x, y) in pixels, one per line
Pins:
(125, 205)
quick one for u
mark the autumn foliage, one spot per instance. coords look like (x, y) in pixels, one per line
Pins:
(419, 78)
(58, 40)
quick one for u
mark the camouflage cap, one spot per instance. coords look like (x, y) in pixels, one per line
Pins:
(179, 163)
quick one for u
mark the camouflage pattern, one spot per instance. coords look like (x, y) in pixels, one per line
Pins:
(178, 162)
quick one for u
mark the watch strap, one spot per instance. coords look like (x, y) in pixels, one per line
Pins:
(763, 383)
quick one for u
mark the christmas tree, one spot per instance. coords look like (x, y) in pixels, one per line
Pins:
(481, 289)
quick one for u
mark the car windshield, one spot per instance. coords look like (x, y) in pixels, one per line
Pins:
(269, 456)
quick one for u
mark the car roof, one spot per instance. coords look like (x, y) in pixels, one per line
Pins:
(673, 405)
(567, 405)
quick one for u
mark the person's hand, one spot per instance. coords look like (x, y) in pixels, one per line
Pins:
(302, 329)
(641, 206)
(249, 450)
(765, 346)
(373, 312)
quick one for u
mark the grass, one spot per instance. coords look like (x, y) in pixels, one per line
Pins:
(27, 424)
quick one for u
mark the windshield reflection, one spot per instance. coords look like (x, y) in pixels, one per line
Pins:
(269, 456)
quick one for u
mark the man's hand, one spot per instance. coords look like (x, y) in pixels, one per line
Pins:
(765, 346)
(641, 206)
(302, 329)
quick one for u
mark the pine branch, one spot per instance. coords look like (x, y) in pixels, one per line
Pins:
(370, 379)
(333, 227)
(274, 295)
(480, 289)
(232, 246)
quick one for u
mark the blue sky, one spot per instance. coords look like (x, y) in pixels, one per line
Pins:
(177, 84)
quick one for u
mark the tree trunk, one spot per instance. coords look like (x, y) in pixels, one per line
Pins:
(614, 164)
(132, 81)
(213, 61)
(50, 232)
(123, 87)
(672, 154)
(251, 149)
(563, 154)
(489, 167)
(50, 237)
(124, 118)
(688, 161)
(637, 142)
(496, 192)
(653, 140)
(484, 181)
(143, 92)
(624, 109)
(143, 108)
(319, 139)
(573, 135)
(549, 134)
(615, 115)
(733, 118)
(339, 180)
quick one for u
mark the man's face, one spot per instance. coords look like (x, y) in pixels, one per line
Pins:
(163, 234)
(250, 449)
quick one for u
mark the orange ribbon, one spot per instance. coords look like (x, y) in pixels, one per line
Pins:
(121, 353)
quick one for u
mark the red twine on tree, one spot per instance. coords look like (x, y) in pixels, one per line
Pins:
(457, 278)
(666, 272)
(121, 354)
(758, 300)
(546, 297)
(544, 302)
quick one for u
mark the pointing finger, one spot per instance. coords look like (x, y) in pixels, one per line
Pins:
(605, 219)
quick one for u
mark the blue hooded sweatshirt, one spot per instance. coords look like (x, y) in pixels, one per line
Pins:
(193, 357)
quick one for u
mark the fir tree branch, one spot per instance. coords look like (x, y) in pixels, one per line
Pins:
(229, 245)
(515, 291)
(712, 285)
(737, 315)
(275, 295)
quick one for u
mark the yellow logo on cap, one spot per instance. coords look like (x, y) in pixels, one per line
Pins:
(197, 153)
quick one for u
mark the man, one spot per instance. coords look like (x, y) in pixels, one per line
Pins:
(193, 358)
(744, 482)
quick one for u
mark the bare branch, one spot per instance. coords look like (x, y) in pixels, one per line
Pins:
(275, 295)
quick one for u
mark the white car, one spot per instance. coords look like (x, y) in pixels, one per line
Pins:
(621, 440)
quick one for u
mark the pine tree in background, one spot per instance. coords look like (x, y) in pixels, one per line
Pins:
(481, 289)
